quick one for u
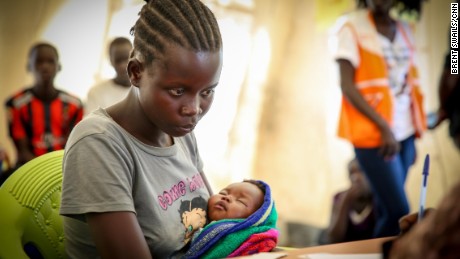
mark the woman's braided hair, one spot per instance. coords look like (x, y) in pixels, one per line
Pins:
(185, 23)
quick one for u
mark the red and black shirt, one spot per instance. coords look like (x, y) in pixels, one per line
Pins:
(46, 124)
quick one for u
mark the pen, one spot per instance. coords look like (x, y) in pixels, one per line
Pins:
(425, 172)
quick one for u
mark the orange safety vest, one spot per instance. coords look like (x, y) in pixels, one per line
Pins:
(371, 79)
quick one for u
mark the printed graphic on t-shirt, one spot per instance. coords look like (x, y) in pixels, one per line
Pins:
(397, 57)
(48, 141)
(193, 216)
(192, 213)
(178, 190)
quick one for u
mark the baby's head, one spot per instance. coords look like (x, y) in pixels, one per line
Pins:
(236, 201)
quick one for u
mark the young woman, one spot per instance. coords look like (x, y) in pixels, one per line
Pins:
(127, 168)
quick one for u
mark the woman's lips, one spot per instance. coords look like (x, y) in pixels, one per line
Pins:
(186, 129)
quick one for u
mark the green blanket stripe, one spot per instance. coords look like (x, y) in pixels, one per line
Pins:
(232, 241)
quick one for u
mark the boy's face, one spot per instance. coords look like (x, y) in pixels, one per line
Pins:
(176, 92)
(358, 178)
(44, 64)
(119, 57)
(238, 200)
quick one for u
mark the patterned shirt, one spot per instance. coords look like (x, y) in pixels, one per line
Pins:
(46, 124)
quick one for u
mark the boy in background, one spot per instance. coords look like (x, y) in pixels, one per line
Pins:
(41, 117)
(113, 90)
(353, 212)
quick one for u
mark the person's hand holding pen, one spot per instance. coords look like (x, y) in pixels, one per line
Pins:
(436, 236)
(407, 222)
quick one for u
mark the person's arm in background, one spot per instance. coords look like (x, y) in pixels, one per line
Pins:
(24, 152)
(389, 145)
(339, 218)
(4, 160)
(76, 118)
(3, 155)
(18, 134)
(447, 83)
(5, 165)
(117, 235)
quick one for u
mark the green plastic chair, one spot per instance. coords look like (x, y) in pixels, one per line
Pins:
(29, 209)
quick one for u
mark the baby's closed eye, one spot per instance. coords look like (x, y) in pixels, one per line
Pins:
(244, 202)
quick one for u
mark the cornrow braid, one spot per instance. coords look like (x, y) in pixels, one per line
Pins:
(186, 23)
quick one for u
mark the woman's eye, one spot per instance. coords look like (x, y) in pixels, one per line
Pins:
(176, 91)
(208, 92)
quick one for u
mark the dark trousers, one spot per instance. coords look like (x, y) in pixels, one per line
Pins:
(387, 180)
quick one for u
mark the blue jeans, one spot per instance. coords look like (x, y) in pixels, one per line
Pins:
(387, 179)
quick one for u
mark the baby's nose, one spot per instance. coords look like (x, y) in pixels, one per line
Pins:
(227, 198)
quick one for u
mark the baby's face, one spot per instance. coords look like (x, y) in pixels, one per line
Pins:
(238, 200)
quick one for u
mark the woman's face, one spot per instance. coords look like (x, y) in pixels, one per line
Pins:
(178, 90)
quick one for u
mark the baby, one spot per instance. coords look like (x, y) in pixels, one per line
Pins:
(243, 221)
(236, 201)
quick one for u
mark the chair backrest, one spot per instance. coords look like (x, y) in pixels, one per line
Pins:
(29, 209)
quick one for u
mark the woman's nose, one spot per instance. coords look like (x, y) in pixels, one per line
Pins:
(192, 108)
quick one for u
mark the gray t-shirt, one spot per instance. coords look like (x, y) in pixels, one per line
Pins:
(107, 169)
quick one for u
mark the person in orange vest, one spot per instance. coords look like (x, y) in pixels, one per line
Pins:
(381, 112)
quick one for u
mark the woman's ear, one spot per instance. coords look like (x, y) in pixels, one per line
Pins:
(135, 68)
